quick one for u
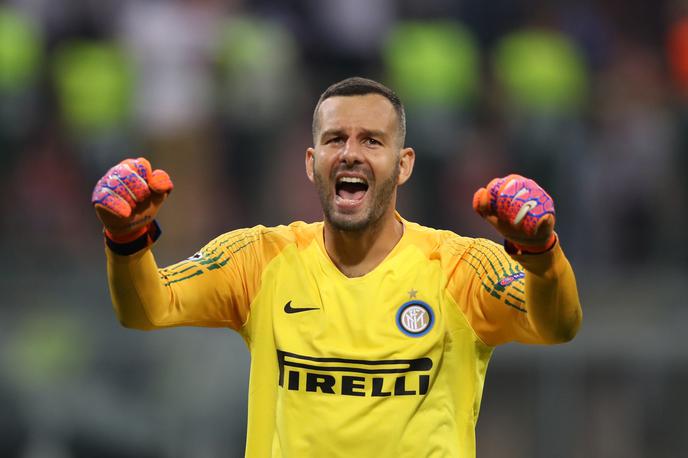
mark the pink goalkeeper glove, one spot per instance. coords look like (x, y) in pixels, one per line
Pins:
(520, 210)
(128, 197)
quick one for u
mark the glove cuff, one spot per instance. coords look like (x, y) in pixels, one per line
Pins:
(136, 241)
(518, 249)
(128, 237)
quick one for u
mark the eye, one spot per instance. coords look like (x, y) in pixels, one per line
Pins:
(372, 142)
(334, 140)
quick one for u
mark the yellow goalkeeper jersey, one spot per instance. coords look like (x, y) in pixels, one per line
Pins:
(390, 364)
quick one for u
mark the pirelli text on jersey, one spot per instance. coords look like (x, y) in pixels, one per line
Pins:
(354, 377)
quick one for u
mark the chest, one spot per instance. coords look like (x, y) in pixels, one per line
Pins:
(384, 334)
(396, 311)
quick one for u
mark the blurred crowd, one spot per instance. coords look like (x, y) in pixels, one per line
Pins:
(589, 98)
(585, 97)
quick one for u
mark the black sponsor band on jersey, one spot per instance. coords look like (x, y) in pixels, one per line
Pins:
(391, 377)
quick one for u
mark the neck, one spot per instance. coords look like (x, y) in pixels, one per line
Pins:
(355, 253)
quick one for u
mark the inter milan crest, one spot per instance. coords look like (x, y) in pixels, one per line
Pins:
(415, 318)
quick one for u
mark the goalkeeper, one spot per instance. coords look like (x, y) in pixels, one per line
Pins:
(369, 334)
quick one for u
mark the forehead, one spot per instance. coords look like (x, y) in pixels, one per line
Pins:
(370, 111)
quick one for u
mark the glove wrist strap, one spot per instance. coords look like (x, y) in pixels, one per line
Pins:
(128, 237)
(518, 249)
(126, 245)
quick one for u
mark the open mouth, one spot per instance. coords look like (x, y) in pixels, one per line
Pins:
(351, 188)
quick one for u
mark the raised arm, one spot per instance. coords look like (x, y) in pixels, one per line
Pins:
(208, 289)
(524, 214)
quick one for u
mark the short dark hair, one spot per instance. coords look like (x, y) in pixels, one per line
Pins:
(362, 86)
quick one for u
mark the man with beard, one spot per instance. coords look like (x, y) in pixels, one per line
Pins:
(369, 334)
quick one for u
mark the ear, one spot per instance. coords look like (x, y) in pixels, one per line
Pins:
(407, 157)
(310, 163)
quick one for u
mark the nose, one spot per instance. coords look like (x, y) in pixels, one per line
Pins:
(351, 153)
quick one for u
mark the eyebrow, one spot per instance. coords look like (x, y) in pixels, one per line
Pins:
(365, 132)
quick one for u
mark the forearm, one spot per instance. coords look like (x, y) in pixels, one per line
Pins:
(136, 291)
(126, 200)
(554, 309)
(193, 292)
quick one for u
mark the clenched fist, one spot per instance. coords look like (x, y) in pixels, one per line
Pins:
(128, 197)
(520, 210)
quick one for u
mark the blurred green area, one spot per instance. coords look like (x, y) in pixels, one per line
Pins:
(94, 86)
(20, 49)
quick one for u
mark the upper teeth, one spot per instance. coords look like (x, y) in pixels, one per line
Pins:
(351, 180)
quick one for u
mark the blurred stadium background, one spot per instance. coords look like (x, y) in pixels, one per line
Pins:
(588, 97)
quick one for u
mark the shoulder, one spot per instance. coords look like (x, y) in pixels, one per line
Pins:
(431, 240)
(270, 238)
(445, 245)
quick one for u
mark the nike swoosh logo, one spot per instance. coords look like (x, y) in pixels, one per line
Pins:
(289, 309)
